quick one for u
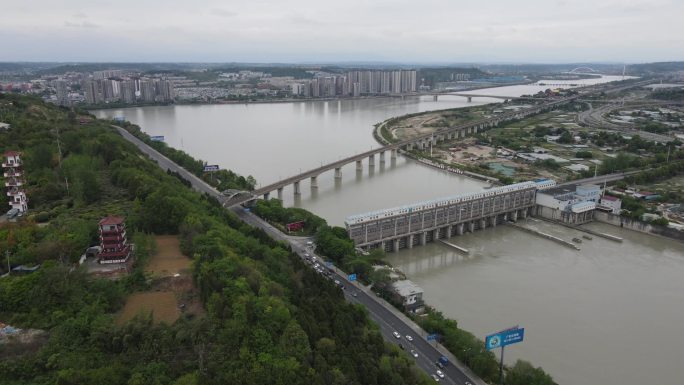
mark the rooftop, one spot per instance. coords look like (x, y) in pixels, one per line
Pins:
(111, 220)
(386, 213)
(405, 288)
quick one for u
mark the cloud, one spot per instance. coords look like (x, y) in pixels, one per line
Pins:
(80, 15)
(223, 12)
(83, 24)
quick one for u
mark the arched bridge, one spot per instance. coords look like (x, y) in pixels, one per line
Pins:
(583, 70)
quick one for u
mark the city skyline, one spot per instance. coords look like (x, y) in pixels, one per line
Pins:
(308, 31)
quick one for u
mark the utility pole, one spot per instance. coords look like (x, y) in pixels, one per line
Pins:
(668, 154)
(8, 262)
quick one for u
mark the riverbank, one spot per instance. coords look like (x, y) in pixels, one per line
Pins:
(110, 106)
(379, 137)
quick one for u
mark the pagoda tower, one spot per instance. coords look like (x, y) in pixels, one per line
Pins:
(13, 171)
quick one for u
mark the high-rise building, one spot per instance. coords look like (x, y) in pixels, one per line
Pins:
(62, 90)
(385, 82)
(101, 75)
(110, 90)
(395, 82)
(164, 90)
(13, 172)
(93, 91)
(128, 91)
(147, 90)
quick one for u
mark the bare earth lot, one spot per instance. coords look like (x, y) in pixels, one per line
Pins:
(169, 292)
(162, 305)
(168, 260)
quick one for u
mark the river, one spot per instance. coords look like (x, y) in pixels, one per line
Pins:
(604, 315)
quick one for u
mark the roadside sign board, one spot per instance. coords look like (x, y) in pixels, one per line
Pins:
(432, 337)
(211, 167)
(504, 337)
(352, 277)
(329, 264)
(157, 138)
(295, 226)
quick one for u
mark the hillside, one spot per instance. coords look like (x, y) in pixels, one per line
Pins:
(269, 319)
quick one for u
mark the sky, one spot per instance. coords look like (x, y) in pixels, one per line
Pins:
(415, 31)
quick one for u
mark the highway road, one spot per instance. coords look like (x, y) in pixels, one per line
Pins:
(381, 312)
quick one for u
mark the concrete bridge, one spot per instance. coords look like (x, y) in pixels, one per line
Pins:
(470, 96)
(419, 143)
(419, 223)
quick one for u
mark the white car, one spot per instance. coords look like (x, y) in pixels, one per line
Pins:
(397, 335)
(434, 377)
(408, 337)
(414, 353)
(441, 375)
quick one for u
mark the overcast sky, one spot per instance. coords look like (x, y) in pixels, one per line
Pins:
(353, 30)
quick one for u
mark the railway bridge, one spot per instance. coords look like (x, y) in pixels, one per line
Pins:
(419, 143)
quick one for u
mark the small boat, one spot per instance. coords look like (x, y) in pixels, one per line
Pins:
(576, 240)
(587, 237)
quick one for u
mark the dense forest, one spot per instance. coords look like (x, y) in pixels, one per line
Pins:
(269, 319)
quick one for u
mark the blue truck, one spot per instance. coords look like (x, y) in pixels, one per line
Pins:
(442, 362)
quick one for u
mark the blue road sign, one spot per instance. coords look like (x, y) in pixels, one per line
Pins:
(504, 337)
(157, 138)
(352, 277)
(211, 167)
(432, 337)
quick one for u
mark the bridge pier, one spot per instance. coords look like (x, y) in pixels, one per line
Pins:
(434, 98)
(371, 161)
(395, 245)
(280, 193)
(409, 241)
(470, 99)
(459, 229)
(338, 172)
(382, 157)
(492, 220)
(393, 153)
(514, 216)
(267, 195)
(296, 188)
(471, 226)
(523, 213)
(359, 166)
(423, 238)
(314, 181)
(483, 224)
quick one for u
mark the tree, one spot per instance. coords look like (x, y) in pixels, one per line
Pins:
(523, 373)
(566, 137)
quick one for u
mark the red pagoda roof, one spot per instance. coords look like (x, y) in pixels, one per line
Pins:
(11, 153)
(111, 220)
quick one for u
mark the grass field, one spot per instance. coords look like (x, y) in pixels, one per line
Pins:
(162, 305)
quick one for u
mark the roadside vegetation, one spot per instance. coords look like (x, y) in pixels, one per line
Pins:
(269, 319)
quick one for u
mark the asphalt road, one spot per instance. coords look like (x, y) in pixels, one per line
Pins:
(378, 310)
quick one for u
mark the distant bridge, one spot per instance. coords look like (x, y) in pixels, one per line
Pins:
(420, 142)
(583, 70)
